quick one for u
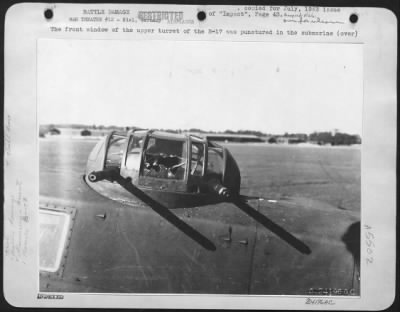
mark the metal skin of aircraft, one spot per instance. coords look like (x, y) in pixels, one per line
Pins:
(162, 213)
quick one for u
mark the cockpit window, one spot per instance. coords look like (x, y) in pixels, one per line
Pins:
(115, 151)
(197, 160)
(165, 159)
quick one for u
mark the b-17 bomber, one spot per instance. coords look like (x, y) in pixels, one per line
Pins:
(146, 211)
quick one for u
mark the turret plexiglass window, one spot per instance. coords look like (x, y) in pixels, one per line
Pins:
(215, 165)
(115, 151)
(197, 159)
(165, 159)
(134, 150)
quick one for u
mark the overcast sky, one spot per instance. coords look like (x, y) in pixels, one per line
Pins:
(270, 87)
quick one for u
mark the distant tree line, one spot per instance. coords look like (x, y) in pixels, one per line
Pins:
(246, 132)
(322, 138)
(334, 138)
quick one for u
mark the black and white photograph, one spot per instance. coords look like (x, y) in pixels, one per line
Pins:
(216, 156)
(198, 167)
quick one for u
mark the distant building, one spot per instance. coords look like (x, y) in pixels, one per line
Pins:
(289, 140)
(228, 137)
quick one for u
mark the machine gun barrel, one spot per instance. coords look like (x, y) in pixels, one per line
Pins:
(108, 174)
(216, 187)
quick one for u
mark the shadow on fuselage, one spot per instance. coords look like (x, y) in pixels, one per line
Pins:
(166, 214)
(352, 241)
(273, 227)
